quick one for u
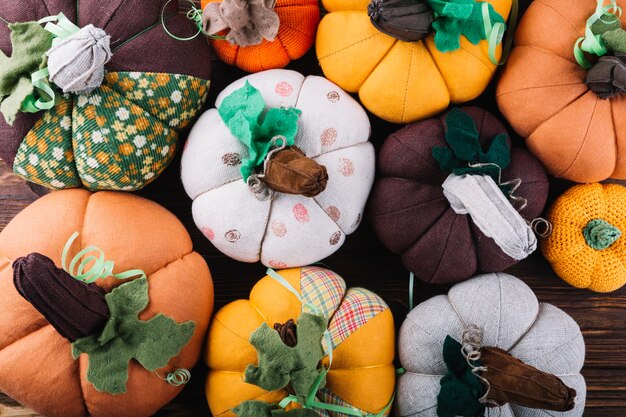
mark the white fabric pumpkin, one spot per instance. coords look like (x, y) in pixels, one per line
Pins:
(511, 318)
(290, 230)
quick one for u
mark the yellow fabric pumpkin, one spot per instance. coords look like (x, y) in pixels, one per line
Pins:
(586, 247)
(361, 328)
(398, 81)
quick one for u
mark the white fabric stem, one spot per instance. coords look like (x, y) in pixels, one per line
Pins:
(490, 210)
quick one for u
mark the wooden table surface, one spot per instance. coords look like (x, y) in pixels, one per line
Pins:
(363, 261)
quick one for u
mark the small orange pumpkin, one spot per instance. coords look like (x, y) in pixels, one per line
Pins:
(296, 34)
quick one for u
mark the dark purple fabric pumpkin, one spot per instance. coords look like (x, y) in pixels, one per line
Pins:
(412, 217)
(151, 51)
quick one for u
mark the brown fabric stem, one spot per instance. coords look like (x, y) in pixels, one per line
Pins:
(73, 308)
(513, 381)
(290, 171)
(287, 332)
(607, 78)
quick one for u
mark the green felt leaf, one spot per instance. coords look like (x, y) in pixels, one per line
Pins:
(281, 365)
(30, 42)
(456, 18)
(460, 388)
(462, 136)
(604, 25)
(125, 337)
(242, 111)
(446, 159)
(615, 40)
(499, 152)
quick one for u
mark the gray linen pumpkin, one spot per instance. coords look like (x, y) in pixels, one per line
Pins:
(511, 318)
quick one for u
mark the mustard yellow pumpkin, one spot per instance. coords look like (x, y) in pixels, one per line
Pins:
(399, 81)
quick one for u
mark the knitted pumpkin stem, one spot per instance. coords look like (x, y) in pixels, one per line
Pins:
(600, 234)
(73, 308)
(513, 381)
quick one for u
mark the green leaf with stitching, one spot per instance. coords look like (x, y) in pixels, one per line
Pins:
(125, 337)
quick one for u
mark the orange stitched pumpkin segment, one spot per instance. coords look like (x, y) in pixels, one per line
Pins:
(543, 95)
(296, 34)
(362, 374)
(36, 367)
(399, 81)
(574, 259)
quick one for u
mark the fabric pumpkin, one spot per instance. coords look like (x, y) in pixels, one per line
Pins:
(295, 36)
(542, 93)
(508, 316)
(36, 364)
(289, 229)
(586, 247)
(412, 215)
(361, 329)
(399, 81)
(122, 135)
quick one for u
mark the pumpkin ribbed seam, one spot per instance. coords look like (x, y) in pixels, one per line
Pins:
(432, 58)
(617, 147)
(406, 86)
(576, 28)
(456, 217)
(557, 113)
(110, 17)
(418, 238)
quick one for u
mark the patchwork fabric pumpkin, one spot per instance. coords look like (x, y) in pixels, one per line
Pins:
(117, 109)
(585, 246)
(314, 313)
(280, 171)
(385, 50)
(454, 198)
(257, 35)
(489, 342)
(572, 117)
(119, 346)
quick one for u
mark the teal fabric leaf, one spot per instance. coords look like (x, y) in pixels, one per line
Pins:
(456, 18)
(242, 111)
(30, 42)
(125, 337)
(280, 365)
(464, 150)
(460, 388)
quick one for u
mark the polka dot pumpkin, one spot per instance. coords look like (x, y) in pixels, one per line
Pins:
(288, 230)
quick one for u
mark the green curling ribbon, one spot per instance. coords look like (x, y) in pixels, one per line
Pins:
(600, 234)
(495, 33)
(194, 14)
(60, 27)
(93, 267)
(310, 401)
(592, 42)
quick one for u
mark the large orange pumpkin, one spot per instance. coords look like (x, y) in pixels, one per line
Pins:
(296, 34)
(36, 364)
(542, 93)
(360, 326)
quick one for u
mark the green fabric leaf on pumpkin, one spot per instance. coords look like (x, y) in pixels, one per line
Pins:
(460, 388)
(242, 111)
(263, 409)
(281, 365)
(615, 40)
(152, 343)
(30, 42)
(456, 18)
(464, 149)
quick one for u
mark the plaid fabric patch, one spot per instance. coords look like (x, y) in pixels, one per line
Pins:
(322, 288)
(327, 396)
(358, 307)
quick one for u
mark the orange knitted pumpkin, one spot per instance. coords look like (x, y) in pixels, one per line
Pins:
(542, 92)
(296, 34)
(360, 329)
(586, 247)
(36, 364)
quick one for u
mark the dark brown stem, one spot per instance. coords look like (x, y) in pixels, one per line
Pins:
(287, 332)
(513, 381)
(73, 308)
(290, 171)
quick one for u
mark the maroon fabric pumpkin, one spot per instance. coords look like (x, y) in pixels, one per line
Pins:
(412, 217)
(152, 51)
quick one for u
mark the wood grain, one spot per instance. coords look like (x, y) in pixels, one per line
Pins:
(363, 261)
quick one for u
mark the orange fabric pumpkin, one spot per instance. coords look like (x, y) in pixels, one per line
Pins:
(542, 93)
(362, 374)
(36, 365)
(296, 34)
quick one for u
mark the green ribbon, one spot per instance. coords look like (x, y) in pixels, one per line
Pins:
(310, 401)
(93, 267)
(495, 33)
(61, 28)
(194, 14)
(592, 42)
